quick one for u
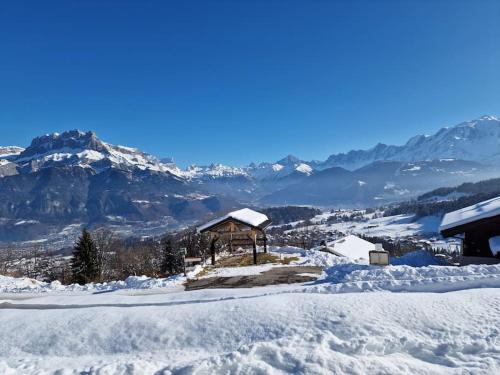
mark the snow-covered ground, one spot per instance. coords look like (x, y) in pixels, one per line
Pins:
(447, 324)
(397, 226)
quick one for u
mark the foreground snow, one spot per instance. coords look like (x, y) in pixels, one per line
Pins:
(277, 333)
(325, 326)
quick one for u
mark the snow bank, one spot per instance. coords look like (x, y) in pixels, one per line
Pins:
(27, 285)
(352, 278)
(323, 259)
(312, 257)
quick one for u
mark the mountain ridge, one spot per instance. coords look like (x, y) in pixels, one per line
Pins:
(475, 140)
(64, 181)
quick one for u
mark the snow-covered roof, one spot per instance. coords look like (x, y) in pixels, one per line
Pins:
(352, 247)
(470, 214)
(245, 215)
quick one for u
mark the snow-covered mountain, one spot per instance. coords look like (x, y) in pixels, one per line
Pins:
(282, 168)
(71, 179)
(9, 151)
(378, 182)
(76, 178)
(477, 140)
(76, 148)
(262, 171)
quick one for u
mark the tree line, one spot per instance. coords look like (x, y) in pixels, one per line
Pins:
(435, 202)
(428, 208)
(101, 256)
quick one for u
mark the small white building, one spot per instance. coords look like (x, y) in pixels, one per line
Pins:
(351, 247)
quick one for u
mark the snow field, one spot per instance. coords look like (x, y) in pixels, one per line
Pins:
(418, 333)
(143, 326)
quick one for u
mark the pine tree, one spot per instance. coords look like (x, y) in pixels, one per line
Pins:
(84, 264)
(172, 259)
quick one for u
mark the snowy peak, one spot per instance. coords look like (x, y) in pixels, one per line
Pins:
(477, 140)
(86, 150)
(10, 151)
(289, 160)
(213, 171)
(70, 141)
(282, 168)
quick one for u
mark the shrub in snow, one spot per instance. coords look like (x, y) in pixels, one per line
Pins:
(172, 259)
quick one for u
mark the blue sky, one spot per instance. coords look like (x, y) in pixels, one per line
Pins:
(241, 81)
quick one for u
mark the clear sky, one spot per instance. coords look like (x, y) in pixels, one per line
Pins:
(240, 81)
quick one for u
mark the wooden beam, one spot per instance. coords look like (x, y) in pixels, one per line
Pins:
(212, 248)
(254, 247)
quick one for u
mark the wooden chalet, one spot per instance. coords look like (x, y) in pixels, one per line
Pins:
(478, 226)
(244, 227)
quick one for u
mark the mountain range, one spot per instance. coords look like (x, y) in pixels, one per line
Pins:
(63, 181)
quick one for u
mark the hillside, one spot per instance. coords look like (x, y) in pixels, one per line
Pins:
(447, 199)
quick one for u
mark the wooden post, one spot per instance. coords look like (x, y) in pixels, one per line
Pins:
(212, 250)
(265, 244)
(254, 248)
(231, 230)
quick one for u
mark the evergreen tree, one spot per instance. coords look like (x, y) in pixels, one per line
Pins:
(172, 259)
(84, 264)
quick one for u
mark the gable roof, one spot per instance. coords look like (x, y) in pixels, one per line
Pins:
(245, 215)
(352, 247)
(467, 215)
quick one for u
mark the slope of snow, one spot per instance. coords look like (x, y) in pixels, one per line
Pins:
(396, 226)
(472, 213)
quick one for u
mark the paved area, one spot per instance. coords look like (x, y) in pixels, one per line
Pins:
(278, 275)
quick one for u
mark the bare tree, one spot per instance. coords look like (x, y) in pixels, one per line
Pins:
(107, 244)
